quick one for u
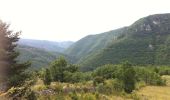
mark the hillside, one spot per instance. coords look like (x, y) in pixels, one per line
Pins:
(144, 42)
(92, 44)
(39, 58)
(47, 45)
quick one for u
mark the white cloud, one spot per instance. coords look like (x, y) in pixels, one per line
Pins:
(73, 19)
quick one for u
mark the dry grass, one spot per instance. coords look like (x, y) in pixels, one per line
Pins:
(167, 77)
(155, 92)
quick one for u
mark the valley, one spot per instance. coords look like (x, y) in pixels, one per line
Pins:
(129, 63)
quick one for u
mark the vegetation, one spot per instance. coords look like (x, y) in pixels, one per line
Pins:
(12, 72)
(146, 42)
(130, 66)
(128, 77)
(69, 83)
(39, 58)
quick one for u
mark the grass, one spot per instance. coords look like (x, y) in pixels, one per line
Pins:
(144, 93)
(167, 77)
(155, 92)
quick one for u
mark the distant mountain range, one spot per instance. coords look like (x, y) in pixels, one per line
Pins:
(42, 52)
(46, 45)
(147, 41)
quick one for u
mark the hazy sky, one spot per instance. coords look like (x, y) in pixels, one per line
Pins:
(61, 20)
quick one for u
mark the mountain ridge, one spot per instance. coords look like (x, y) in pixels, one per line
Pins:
(46, 45)
(146, 41)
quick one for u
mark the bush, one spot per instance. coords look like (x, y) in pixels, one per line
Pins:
(98, 80)
(106, 71)
(47, 77)
(149, 76)
(164, 71)
(117, 85)
(100, 88)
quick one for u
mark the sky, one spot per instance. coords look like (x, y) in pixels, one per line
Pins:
(70, 20)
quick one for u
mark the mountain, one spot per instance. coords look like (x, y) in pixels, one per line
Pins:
(92, 44)
(39, 58)
(147, 41)
(46, 45)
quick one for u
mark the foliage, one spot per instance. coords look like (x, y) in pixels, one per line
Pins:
(105, 71)
(98, 80)
(23, 92)
(12, 72)
(118, 85)
(39, 58)
(142, 43)
(128, 77)
(149, 76)
(57, 69)
(47, 77)
(90, 44)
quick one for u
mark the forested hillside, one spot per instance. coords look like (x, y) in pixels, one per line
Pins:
(39, 58)
(92, 44)
(144, 42)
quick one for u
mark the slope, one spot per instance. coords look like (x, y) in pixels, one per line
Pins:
(147, 41)
(92, 43)
(39, 58)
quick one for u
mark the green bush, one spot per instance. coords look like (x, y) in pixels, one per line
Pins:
(100, 88)
(47, 77)
(117, 85)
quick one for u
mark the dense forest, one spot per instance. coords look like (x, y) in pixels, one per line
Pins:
(114, 65)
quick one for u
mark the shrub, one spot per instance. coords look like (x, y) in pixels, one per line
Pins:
(47, 77)
(117, 85)
(98, 80)
(100, 88)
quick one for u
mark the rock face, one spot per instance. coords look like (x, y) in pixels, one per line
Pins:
(158, 23)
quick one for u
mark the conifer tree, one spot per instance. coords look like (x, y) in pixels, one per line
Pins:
(11, 72)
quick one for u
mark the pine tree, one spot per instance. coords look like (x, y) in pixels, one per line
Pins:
(11, 72)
